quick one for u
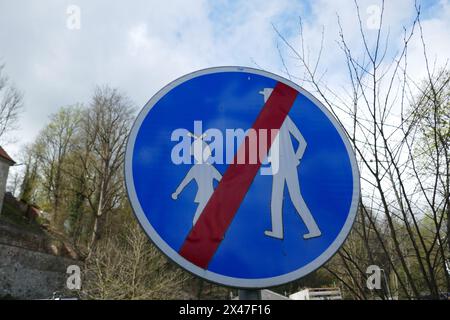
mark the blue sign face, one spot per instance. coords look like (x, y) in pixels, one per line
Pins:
(241, 177)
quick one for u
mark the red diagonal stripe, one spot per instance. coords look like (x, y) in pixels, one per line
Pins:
(209, 231)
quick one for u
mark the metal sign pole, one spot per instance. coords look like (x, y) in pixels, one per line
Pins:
(249, 294)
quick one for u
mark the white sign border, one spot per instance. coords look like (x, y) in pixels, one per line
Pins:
(209, 275)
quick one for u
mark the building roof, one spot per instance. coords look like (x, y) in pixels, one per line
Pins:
(5, 156)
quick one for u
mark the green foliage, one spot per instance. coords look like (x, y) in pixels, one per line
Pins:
(14, 216)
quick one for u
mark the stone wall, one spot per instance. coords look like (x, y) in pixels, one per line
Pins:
(26, 274)
(29, 268)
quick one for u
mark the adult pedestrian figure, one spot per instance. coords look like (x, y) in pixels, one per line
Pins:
(287, 174)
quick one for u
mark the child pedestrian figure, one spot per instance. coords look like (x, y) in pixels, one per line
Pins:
(202, 172)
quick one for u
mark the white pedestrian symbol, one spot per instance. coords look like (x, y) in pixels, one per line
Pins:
(202, 172)
(287, 174)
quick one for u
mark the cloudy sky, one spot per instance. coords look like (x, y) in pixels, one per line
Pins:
(141, 45)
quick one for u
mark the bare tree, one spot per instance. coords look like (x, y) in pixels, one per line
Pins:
(14, 183)
(405, 195)
(10, 104)
(106, 125)
(126, 266)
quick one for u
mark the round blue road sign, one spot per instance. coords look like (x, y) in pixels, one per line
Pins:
(241, 177)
